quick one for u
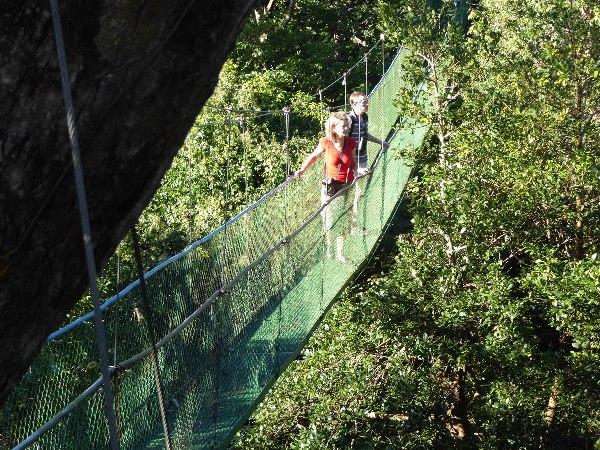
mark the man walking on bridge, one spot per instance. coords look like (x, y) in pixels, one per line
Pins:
(359, 122)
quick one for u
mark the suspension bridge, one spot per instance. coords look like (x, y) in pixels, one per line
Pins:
(195, 343)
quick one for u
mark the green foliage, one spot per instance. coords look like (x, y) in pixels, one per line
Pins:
(485, 329)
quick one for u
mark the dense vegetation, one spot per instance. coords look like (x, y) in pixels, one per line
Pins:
(482, 330)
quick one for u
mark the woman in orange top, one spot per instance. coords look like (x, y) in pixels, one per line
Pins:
(340, 169)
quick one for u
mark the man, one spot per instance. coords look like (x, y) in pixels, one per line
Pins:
(359, 129)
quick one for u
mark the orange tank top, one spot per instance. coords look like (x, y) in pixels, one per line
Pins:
(339, 166)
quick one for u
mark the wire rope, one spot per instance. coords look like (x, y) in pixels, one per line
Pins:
(117, 290)
(286, 262)
(366, 75)
(85, 226)
(345, 83)
(190, 201)
(381, 129)
(148, 318)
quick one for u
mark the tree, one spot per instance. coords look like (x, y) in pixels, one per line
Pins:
(508, 211)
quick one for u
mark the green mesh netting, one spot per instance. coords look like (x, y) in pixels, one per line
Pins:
(218, 367)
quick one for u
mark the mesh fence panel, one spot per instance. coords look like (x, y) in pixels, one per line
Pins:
(215, 369)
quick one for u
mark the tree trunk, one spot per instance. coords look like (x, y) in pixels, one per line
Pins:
(458, 421)
(141, 70)
(550, 414)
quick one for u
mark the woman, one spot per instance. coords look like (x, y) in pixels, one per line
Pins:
(340, 169)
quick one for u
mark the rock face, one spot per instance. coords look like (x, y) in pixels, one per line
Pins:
(141, 70)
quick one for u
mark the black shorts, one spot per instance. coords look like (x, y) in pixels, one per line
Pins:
(334, 186)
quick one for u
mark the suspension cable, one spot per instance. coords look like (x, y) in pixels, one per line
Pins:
(286, 261)
(245, 164)
(85, 226)
(116, 334)
(381, 95)
(148, 318)
(343, 78)
(286, 112)
(382, 55)
(190, 202)
(366, 75)
(345, 83)
(381, 126)
(214, 308)
(226, 205)
(323, 110)
(117, 290)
